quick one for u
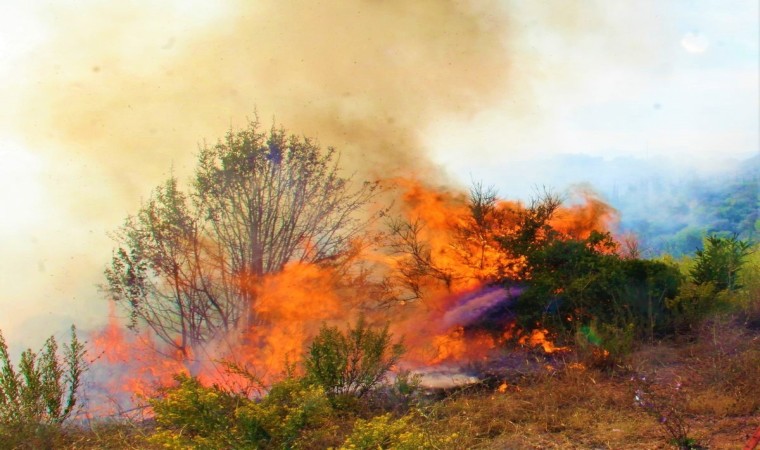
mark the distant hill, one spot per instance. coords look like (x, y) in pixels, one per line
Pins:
(670, 204)
(672, 214)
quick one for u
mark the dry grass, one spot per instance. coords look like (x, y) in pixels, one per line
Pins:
(587, 409)
(573, 407)
(112, 434)
(725, 363)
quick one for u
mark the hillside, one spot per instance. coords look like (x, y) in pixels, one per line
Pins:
(672, 215)
(597, 387)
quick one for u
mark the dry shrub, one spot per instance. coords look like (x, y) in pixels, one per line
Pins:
(713, 402)
(730, 384)
(110, 434)
(724, 363)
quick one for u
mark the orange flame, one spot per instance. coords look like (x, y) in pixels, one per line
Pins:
(457, 254)
(538, 338)
(290, 307)
(127, 366)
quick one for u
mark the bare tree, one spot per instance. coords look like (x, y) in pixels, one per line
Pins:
(477, 237)
(417, 266)
(532, 227)
(491, 242)
(471, 249)
(187, 265)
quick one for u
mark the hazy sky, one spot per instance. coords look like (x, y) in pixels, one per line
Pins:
(669, 79)
(101, 100)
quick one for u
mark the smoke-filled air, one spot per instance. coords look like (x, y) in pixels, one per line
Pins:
(113, 98)
(294, 224)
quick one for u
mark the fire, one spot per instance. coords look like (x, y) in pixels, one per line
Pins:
(539, 338)
(452, 277)
(579, 220)
(463, 249)
(128, 366)
(442, 269)
(290, 307)
(457, 346)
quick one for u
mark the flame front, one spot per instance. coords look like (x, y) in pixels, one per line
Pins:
(436, 272)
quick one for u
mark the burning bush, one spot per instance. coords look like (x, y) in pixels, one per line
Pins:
(293, 411)
(270, 243)
(605, 345)
(188, 265)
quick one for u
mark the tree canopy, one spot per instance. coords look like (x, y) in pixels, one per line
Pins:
(185, 264)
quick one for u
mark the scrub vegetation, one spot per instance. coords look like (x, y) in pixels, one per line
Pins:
(601, 348)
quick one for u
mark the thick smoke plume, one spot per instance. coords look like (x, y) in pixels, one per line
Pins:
(121, 94)
(117, 95)
(115, 90)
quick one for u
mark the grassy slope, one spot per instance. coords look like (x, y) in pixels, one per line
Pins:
(588, 408)
(575, 407)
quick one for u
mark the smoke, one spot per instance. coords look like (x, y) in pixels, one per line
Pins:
(474, 306)
(114, 96)
(109, 98)
(122, 99)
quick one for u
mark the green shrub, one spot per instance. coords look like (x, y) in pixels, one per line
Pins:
(406, 389)
(720, 262)
(605, 345)
(38, 397)
(697, 302)
(750, 280)
(722, 280)
(191, 415)
(353, 362)
(383, 432)
(644, 290)
(578, 281)
(294, 412)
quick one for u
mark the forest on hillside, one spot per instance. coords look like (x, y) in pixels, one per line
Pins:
(673, 215)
